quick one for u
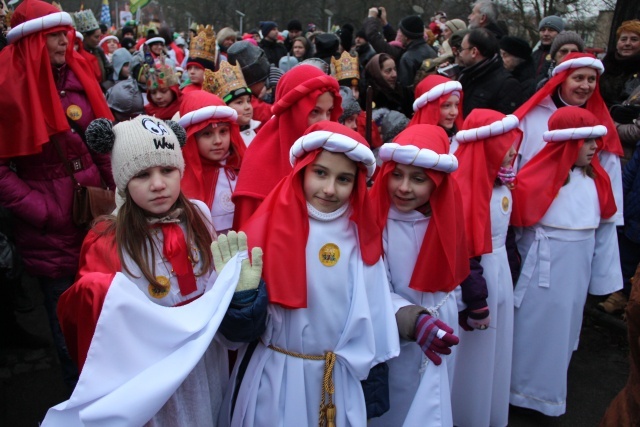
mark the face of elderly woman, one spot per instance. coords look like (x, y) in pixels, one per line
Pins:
(628, 44)
(389, 72)
(579, 86)
(57, 47)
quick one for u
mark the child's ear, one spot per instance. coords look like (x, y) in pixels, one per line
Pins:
(100, 136)
(181, 134)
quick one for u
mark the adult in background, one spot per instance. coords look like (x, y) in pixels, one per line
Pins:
(485, 15)
(269, 43)
(549, 28)
(294, 30)
(48, 99)
(388, 93)
(565, 43)
(516, 58)
(87, 24)
(363, 48)
(485, 82)
(414, 48)
(622, 66)
(225, 38)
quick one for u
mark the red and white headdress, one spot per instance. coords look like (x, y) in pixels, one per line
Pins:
(539, 181)
(281, 224)
(443, 261)
(487, 137)
(430, 94)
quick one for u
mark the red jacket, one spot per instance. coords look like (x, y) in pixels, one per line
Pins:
(39, 192)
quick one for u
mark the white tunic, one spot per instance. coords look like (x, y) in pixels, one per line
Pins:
(175, 372)
(419, 391)
(480, 394)
(249, 134)
(223, 208)
(550, 295)
(349, 312)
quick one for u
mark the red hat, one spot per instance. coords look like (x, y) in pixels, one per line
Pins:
(595, 104)
(443, 261)
(198, 110)
(30, 104)
(267, 160)
(430, 94)
(281, 224)
(538, 182)
(484, 143)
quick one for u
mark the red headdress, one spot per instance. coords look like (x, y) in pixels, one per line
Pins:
(595, 104)
(30, 104)
(267, 160)
(198, 110)
(430, 94)
(484, 143)
(539, 181)
(281, 224)
(443, 261)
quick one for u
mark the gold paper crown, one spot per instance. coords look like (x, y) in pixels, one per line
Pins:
(160, 76)
(204, 44)
(346, 67)
(225, 81)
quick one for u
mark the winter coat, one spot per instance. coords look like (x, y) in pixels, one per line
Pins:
(541, 62)
(620, 78)
(488, 85)
(378, 37)
(525, 74)
(39, 192)
(273, 50)
(416, 51)
(631, 194)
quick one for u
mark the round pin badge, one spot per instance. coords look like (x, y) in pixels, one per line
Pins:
(74, 112)
(329, 254)
(505, 204)
(162, 292)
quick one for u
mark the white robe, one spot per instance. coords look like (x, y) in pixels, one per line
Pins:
(419, 391)
(550, 295)
(223, 208)
(349, 312)
(480, 394)
(249, 134)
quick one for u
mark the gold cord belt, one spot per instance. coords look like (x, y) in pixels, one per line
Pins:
(327, 415)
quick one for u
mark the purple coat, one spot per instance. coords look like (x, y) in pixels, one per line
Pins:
(39, 192)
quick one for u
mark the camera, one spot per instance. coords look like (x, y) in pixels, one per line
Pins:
(379, 13)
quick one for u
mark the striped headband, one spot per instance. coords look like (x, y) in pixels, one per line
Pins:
(587, 132)
(436, 92)
(496, 128)
(207, 113)
(422, 157)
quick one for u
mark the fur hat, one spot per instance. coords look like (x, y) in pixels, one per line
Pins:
(137, 144)
(455, 25)
(553, 22)
(350, 104)
(225, 33)
(566, 37)
(412, 26)
(516, 47)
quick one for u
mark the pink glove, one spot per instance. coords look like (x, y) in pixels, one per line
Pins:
(476, 319)
(434, 336)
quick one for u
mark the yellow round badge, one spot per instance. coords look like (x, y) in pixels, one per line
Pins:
(505, 203)
(329, 254)
(74, 112)
(160, 292)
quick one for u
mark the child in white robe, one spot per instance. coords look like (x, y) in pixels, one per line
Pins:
(560, 197)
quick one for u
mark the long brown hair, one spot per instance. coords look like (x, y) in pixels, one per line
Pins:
(132, 232)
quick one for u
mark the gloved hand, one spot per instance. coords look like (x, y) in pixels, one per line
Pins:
(474, 319)
(226, 247)
(434, 336)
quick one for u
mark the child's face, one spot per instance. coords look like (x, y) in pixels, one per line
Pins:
(156, 48)
(409, 187)
(508, 158)
(162, 97)
(213, 142)
(155, 189)
(586, 153)
(449, 112)
(322, 110)
(243, 107)
(329, 181)
(352, 122)
(196, 74)
(112, 45)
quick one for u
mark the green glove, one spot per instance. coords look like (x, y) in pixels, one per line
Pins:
(226, 247)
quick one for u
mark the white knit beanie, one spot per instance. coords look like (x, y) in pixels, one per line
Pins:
(137, 144)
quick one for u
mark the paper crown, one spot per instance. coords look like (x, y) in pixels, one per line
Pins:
(204, 44)
(226, 82)
(346, 67)
(85, 21)
(160, 76)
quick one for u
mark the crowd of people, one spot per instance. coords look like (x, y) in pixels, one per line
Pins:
(376, 227)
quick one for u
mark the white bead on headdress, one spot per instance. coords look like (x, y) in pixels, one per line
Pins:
(587, 132)
(336, 143)
(422, 157)
(582, 62)
(436, 92)
(496, 128)
(206, 113)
